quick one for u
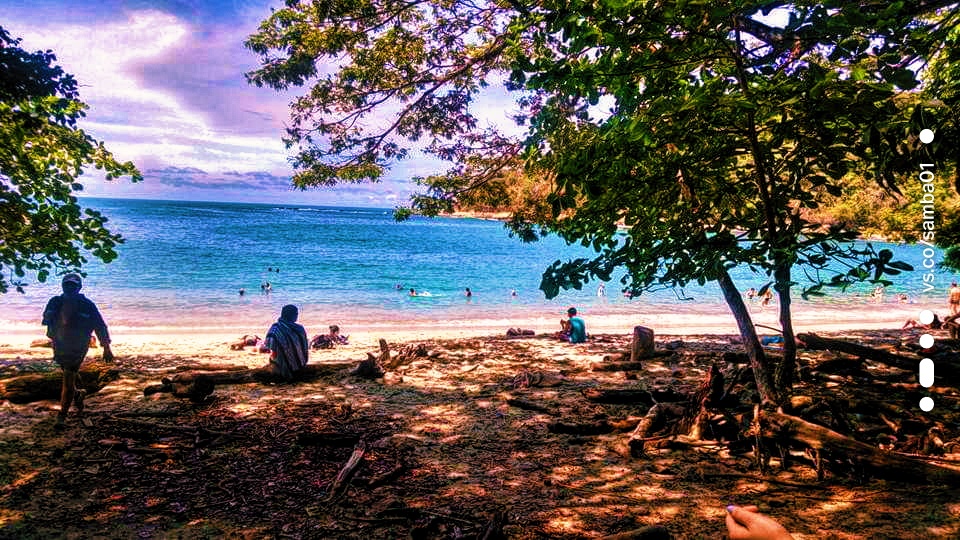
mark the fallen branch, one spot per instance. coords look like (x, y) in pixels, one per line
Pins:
(817, 343)
(616, 366)
(197, 385)
(633, 395)
(599, 427)
(494, 528)
(530, 406)
(830, 445)
(652, 532)
(346, 473)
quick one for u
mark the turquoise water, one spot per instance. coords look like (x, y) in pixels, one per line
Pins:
(183, 263)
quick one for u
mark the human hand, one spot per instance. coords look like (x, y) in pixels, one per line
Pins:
(745, 523)
(107, 353)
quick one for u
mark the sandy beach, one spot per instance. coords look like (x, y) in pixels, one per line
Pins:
(448, 442)
(186, 336)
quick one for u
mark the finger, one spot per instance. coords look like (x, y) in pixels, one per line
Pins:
(748, 508)
(743, 516)
(736, 530)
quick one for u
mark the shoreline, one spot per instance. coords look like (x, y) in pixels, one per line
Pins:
(185, 335)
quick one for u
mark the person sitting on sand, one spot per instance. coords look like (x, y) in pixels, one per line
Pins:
(577, 328)
(935, 324)
(287, 344)
(246, 341)
(329, 341)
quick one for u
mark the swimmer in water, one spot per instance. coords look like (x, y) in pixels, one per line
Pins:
(413, 292)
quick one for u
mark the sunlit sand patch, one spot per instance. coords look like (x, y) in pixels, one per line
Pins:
(9, 517)
(567, 524)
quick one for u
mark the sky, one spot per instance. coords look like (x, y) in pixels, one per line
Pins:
(164, 82)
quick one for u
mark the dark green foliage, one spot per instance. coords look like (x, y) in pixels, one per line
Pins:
(681, 138)
(42, 155)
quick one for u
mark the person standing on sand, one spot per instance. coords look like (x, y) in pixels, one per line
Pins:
(953, 298)
(287, 344)
(766, 298)
(70, 319)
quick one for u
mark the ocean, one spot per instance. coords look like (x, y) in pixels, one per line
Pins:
(184, 263)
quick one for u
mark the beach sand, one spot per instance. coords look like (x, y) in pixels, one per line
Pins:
(186, 337)
(445, 451)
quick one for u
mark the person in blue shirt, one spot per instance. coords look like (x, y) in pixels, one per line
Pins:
(71, 319)
(578, 329)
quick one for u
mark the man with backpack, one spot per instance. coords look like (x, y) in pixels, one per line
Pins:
(70, 320)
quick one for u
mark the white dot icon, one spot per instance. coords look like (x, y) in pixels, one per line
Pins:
(926, 404)
(926, 316)
(926, 136)
(926, 341)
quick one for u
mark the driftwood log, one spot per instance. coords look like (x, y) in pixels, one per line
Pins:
(598, 427)
(652, 532)
(817, 343)
(372, 367)
(346, 473)
(197, 385)
(828, 445)
(696, 420)
(633, 395)
(654, 420)
(39, 386)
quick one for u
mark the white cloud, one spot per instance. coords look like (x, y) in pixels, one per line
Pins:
(143, 123)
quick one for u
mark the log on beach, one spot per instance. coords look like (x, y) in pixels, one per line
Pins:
(633, 395)
(39, 386)
(832, 446)
(817, 343)
(197, 385)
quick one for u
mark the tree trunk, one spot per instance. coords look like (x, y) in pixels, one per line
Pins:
(783, 373)
(758, 361)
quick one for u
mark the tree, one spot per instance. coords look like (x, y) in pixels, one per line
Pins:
(941, 105)
(42, 155)
(706, 130)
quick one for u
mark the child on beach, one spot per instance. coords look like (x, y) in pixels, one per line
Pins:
(329, 341)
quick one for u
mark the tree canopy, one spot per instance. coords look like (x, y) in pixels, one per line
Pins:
(43, 153)
(704, 128)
